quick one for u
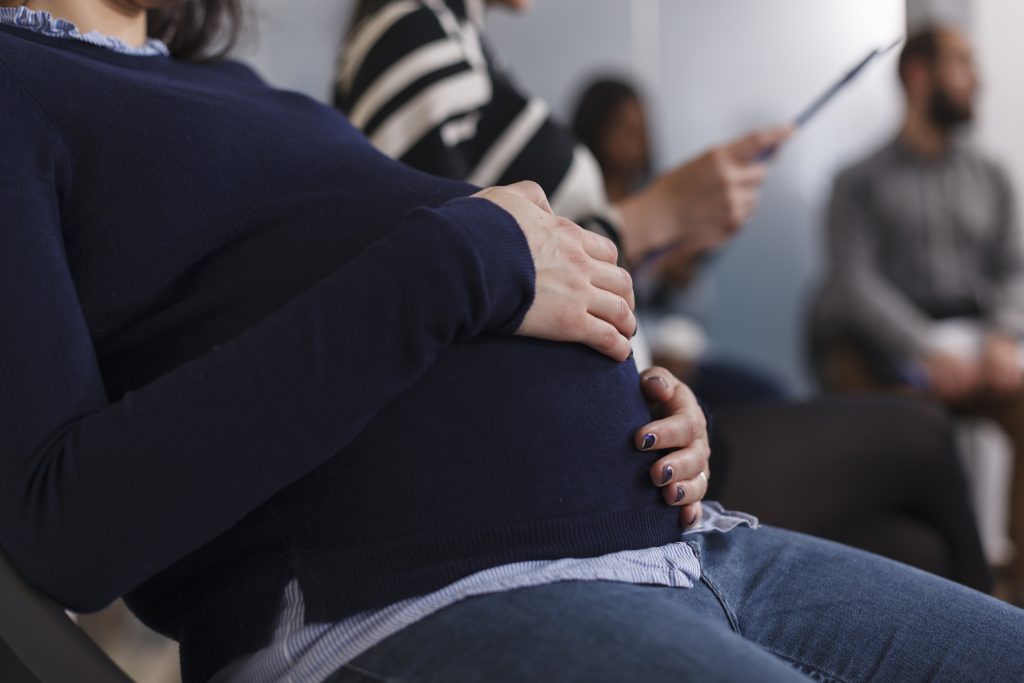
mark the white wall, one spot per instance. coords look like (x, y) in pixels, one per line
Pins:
(294, 44)
(996, 26)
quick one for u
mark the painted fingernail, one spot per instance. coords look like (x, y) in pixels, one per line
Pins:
(666, 474)
(648, 442)
(660, 380)
(680, 494)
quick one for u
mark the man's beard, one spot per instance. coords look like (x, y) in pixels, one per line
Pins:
(945, 113)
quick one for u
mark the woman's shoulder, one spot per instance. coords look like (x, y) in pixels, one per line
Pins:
(25, 61)
(15, 64)
(27, 124)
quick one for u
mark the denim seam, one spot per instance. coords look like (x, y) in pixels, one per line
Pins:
(366, 673)
(806, 668)
(706, 580)
(733, 622)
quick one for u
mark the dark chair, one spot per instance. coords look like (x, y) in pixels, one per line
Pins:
(39, 643)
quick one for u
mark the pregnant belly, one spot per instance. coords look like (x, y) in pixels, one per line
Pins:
(500, 431)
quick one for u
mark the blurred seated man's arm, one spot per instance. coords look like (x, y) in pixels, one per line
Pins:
(1001, 359)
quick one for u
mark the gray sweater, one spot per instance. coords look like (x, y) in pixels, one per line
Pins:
(910, 240)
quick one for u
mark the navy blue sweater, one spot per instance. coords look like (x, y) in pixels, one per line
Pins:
(241, 346)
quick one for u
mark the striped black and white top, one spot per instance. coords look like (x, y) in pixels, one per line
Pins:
(418, 78)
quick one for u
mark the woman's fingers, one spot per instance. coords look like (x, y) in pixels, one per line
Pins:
(612, 309)
(683, 425)
(685, 492)
(751, 146)
(657, 384)
(690, 515)
(681, 466)
(579, 294)
(613, 279)
(598, 247)
(604, 338)
(531, 192)
(749, 176)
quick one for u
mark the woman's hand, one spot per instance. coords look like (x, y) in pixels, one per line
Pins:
(683, 474)
(702, 203)
(581, 294)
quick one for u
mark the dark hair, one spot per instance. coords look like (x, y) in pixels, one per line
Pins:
(198, 30)
(595, 109)
(921, 46)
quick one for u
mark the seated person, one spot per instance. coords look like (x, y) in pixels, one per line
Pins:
(925, 287)
(422, 82)
(325, 417)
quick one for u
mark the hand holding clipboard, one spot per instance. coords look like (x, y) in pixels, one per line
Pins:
(800, 121)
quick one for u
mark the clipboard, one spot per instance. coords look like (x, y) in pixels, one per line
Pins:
(819, 103)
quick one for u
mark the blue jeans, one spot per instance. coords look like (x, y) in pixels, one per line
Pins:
(772, 606)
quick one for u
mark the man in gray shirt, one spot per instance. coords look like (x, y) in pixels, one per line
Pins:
(925, 280)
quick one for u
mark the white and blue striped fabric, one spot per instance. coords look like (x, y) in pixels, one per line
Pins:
(309, 653)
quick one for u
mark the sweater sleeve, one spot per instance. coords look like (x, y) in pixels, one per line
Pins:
(875, 307)
(95, 496)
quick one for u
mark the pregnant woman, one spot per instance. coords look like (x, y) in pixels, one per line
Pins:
(320, 416)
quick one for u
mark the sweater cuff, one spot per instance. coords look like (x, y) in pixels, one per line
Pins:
(503, 256)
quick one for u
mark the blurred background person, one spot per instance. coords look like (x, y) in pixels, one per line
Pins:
(425, 86)
(611, 119)
(925, 287)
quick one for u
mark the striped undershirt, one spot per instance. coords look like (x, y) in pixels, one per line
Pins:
(301, 652)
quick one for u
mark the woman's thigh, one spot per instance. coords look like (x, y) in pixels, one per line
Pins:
(590, 631)
(853, 616)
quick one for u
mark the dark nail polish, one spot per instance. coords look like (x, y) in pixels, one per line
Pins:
(660, 380)
(648, 442)
(680, 494)
(666, 474)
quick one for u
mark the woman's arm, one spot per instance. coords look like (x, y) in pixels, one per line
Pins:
(95, 497)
